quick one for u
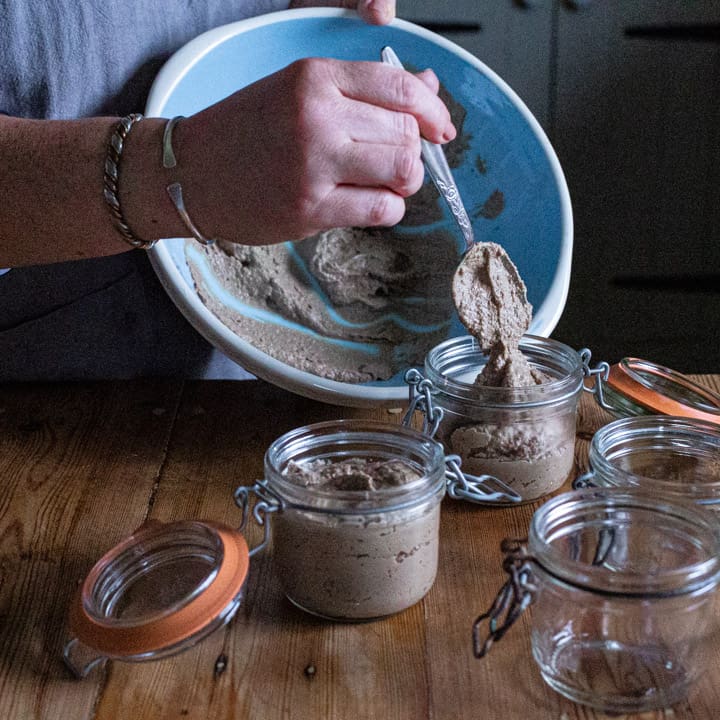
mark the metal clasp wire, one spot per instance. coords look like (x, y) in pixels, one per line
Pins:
(420, 391)
(584, 481)
(600, 372)
(80, 666)
(512, 599)
(474, 488)
(266, 502)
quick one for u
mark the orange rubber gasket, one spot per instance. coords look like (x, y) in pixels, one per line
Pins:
(621, 380)
(162, 633)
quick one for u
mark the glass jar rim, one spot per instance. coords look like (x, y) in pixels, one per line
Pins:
(547, 354)
(340, 435)
(696, 436)
(681, 580)
(186, 620)
(660, 389)
(124, 561)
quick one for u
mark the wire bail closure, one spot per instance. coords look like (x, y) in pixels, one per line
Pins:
(600, 374)
(512, 599)
(460, 486)
(266, 502)
(420, 398)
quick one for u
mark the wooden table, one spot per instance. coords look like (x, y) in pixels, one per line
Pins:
(83, 465)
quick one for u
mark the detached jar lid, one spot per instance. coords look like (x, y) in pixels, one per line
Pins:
(160, 591)
(640, 386)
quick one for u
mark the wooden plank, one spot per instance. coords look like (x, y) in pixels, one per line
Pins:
(83, 465)
(710, 381)
(78, 466)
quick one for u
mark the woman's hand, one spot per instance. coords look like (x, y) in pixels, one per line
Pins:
(323, 143)
(376, 12)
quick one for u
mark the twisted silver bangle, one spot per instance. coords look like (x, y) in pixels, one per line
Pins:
(174, 190)
(110, 181)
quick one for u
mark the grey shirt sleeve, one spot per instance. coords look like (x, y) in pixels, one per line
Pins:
(108, 317)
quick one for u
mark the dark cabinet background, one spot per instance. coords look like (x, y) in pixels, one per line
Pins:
(629, 96)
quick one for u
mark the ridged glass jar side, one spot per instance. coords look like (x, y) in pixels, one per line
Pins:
(669, 454)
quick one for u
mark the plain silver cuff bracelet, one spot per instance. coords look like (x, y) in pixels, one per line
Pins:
(174, 190)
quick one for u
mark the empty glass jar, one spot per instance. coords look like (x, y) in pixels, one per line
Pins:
(621, 584)
(674, 455)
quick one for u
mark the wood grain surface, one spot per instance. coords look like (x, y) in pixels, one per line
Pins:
(83, 465)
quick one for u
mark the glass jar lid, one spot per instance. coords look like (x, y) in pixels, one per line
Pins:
(639, 387)
(161, 590)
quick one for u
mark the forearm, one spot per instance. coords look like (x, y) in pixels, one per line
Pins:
(343, 148)
(52, 206)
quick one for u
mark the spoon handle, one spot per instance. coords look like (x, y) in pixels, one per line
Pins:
(438, 169)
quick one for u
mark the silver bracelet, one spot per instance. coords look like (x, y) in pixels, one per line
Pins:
(110, 181)
(174, 190)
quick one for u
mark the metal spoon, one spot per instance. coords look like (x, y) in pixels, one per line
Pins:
(438, 169)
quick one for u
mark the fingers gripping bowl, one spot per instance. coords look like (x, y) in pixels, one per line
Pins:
(283, 312)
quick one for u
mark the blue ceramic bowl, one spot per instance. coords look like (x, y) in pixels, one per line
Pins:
(535, 226)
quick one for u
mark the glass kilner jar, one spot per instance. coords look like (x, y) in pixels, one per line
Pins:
(621, 585)
(355, 513)
(661, 453)
(159, 592)
(523, 437)
(640, 387)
